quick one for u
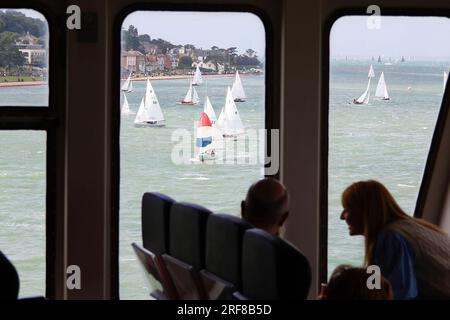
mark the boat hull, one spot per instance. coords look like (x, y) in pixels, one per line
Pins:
(185, 103)
(239, 100)
(150, 124)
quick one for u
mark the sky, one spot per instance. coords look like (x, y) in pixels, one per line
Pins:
(417, 37)
(202, 29)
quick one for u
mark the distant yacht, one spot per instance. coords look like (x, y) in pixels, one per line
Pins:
(149, 113)
(198, 80)
(229, 120)
(364, 98)
(238, 90)
(381, 91)
(128, 85)
(191, 97)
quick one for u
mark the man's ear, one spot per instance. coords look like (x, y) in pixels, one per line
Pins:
(283, 218)
(243, 209)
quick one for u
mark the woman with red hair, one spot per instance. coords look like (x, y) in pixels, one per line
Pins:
(414, 255)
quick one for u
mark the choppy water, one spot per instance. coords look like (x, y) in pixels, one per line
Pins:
(388, 141)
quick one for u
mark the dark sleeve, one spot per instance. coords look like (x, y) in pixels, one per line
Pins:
(395, 258)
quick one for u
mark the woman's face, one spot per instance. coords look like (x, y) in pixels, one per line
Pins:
(354, 221)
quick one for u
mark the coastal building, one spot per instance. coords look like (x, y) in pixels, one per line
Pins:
(133, 60)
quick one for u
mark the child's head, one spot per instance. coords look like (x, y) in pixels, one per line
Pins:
(350, 283)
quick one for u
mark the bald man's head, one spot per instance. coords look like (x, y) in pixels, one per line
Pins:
(266, 205)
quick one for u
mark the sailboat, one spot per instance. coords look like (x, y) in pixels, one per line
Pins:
(125, 109)
(381, 91)
(229, 120)
(128, 85)
(204, 140)
(197, 77)
(238, 90)
(364, 98)
(444, 81)
(191, 97)
(149, 113)
(208, 109)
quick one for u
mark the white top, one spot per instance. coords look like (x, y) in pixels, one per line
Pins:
(128, 85)
(237, 89)
(209, 110)
(229, 119)
(149, 109)
(364, 98)
(381, 88)
(197, 77)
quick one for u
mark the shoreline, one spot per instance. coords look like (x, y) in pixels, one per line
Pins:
(176, 77)
(23, 84)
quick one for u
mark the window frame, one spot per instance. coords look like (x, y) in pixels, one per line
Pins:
(49, 119)
(436, 139)
(272, 96)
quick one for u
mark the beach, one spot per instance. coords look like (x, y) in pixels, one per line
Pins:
(188, 76)
(22, 84)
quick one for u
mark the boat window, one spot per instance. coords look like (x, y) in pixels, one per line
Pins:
(22, 209)
(24, 53)
(386, 83)
(192, 97)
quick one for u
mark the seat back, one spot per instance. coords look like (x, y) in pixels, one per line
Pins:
(156, 221)
(187, 249)
(223, 264)
(155, 238)
(273, 268)
(9, 279)
(157, 273)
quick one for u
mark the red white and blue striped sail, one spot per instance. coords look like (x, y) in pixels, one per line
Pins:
(204, 132)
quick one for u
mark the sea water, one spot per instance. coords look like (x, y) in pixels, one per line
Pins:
(384, 140)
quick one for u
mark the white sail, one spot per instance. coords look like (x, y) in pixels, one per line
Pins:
(364, 98)
(371, 72)
(444, 82)
(231, 122)
(149, 112)
(209, 110)
(128, 85)
(197, 77)
(237, 89)
(188, 97)
(221, 119)
(125, 106)
(381, 90)
(195, 98)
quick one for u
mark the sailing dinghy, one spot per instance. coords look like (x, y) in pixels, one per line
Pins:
(191, 97)
(198, 80)
(364, 98)
(204, 140)
(381, 91)
(238, 90)
(125, 109)
(128, 85)
(149, 113)
(229, 120)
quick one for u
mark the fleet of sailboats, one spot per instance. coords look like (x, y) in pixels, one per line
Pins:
(191, 97)
(128, 84)
(238, 90)
(380, 92)
(149, 113)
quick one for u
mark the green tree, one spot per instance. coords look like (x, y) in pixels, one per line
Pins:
(10, 56)
(15, 21)
(185, 62)
(131, 38)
